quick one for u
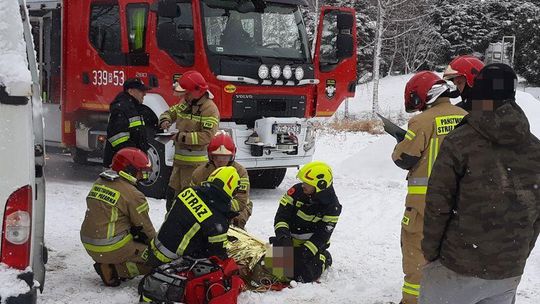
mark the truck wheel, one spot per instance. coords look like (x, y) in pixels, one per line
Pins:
(266, 178)
(79, 156)
(156, 184)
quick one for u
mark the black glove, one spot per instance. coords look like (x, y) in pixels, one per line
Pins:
(138, 235)
(281, 241)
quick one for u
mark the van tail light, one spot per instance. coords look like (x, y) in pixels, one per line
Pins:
(16, 229)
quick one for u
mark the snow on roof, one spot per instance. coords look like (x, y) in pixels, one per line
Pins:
(14, 73)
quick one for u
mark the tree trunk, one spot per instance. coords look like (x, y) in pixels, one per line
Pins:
(376, 57)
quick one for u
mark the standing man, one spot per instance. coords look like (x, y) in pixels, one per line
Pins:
(428, 93)
(116, 228)
(483, 203)
(462, 71)
(305, 220)
(221, 153)
(126, 126)
(197, 224)
(197, 120)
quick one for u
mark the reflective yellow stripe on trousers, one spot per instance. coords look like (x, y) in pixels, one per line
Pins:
(417, 185)
(412, 289)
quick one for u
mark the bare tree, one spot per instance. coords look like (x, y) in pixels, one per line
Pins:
(395, 18)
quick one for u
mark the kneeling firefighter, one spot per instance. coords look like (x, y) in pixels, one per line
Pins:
(305, 220)
(197, 224)
(116, 229)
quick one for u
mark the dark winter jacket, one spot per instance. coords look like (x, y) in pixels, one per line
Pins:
(196, 225)
(308, 220)
(127, 122)
(482, 214)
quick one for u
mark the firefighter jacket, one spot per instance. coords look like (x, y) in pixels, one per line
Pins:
(240, 202)
(483, 201)
(308, 220)
(114, 208)
(196, 225)
(418, 151)
(126, 128)
(197, 123)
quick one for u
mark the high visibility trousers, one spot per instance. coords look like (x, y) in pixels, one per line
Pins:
(413, 258)
(129, 261)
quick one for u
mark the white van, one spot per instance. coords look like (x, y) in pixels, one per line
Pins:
(22, 188)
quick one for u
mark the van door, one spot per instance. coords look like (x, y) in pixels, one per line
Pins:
(335, 58)
(46, 30)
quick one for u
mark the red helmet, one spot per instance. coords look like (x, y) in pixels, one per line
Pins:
(421, 90)
(194, 83)
(131, 160)
(222, 144)
(465, 65)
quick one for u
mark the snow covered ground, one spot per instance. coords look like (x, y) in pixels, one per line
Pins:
(365, 245)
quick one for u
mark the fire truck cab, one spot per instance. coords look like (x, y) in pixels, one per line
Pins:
(255, 55)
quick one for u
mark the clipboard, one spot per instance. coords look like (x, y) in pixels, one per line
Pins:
(393, 129)
(166, 136)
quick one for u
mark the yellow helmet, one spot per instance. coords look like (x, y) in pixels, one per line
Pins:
(225, 178)
(316, 174)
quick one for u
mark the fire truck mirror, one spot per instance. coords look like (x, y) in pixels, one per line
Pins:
(168, 9)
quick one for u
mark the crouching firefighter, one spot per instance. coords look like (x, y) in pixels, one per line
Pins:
(116, 229)
(197, 224)
(428, 93)
(221, 152)
(305, 220)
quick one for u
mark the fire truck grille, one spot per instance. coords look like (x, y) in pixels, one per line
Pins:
(251, 107)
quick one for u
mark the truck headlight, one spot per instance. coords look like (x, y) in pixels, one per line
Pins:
(263, 71)
(299, 73)
(275, 71)
(287, 72)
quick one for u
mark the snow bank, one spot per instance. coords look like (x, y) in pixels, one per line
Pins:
(14, 73)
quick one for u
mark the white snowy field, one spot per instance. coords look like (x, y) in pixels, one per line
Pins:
(365, 244)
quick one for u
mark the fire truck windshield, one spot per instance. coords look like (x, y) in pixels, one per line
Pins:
(241, 30)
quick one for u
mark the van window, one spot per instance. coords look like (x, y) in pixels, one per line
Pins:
(105, 29)
(137, 15)
(175, 35)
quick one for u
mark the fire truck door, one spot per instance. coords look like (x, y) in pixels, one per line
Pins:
(335, 58)
(47, 46)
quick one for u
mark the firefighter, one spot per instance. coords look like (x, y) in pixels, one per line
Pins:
(462, 71)
(116, 229)
(197, 120)
(305, 219)
(221, 152)
(428, 93)
(197, 224)
(126, 127)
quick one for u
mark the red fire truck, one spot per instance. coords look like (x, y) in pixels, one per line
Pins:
(255, 55)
